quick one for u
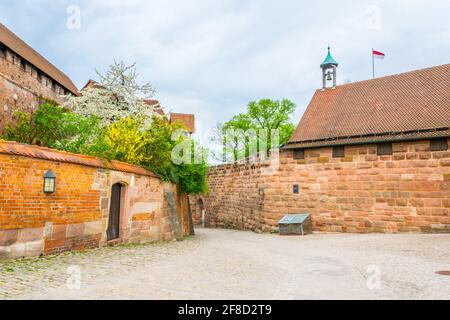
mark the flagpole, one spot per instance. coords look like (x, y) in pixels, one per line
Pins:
(373, 65)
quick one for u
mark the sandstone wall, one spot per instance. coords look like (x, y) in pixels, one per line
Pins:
(76, 215)
(408, 191)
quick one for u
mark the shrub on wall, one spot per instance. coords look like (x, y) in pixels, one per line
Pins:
(151, 146)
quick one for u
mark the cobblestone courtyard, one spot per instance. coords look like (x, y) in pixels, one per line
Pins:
(224, 264)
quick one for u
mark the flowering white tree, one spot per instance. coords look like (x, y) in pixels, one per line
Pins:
(117, 95)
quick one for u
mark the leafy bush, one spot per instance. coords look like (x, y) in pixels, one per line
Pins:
(160, 148)
(80, 134)
(47, 123)
(192, 178)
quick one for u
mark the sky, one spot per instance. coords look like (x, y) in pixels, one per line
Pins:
(212, 57)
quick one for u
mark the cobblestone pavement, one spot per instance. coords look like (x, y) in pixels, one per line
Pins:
(225, 264)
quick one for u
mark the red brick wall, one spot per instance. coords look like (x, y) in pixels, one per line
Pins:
(20, 89)
(363, 192)
(76, 216)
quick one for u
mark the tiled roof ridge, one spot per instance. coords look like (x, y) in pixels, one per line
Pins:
(44, 153)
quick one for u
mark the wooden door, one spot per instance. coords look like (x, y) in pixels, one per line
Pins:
(114, 213)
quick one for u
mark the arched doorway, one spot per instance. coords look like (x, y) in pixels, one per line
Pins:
(113, 231)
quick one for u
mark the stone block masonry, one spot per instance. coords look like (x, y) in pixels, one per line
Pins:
(76, 216)
(408, 191)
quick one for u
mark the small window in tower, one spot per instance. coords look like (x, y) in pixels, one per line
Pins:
(39, 76)
(384, 149)
(439, 144)
(299, 154)
(339, 152)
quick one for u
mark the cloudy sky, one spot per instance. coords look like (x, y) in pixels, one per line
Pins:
(211, 57)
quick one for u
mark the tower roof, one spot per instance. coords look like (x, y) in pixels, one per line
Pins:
(14, 43)
(329, 60)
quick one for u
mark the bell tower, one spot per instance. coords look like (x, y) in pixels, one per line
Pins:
(329, 66)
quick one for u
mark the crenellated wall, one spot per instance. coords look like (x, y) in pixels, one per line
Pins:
(408, 191)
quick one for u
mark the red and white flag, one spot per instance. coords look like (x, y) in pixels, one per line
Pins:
(378, 54)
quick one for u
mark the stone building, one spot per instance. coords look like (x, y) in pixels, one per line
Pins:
(188, 120)
(370, 156)
(27, 78)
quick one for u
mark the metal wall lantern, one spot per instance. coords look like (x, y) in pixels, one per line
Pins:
(49, 182)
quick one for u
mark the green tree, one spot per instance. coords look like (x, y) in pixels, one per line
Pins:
(190, 177)
(21, 130)
(117, 95)
(271, 115)
(160, 148)
(55, 127)
(265, 114)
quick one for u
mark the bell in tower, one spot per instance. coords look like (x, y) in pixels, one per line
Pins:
(329, 70)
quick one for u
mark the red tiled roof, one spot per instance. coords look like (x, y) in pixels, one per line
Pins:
(19, 149)
(408, 104)
(187, 119)
(13, 42)
(150, 102)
